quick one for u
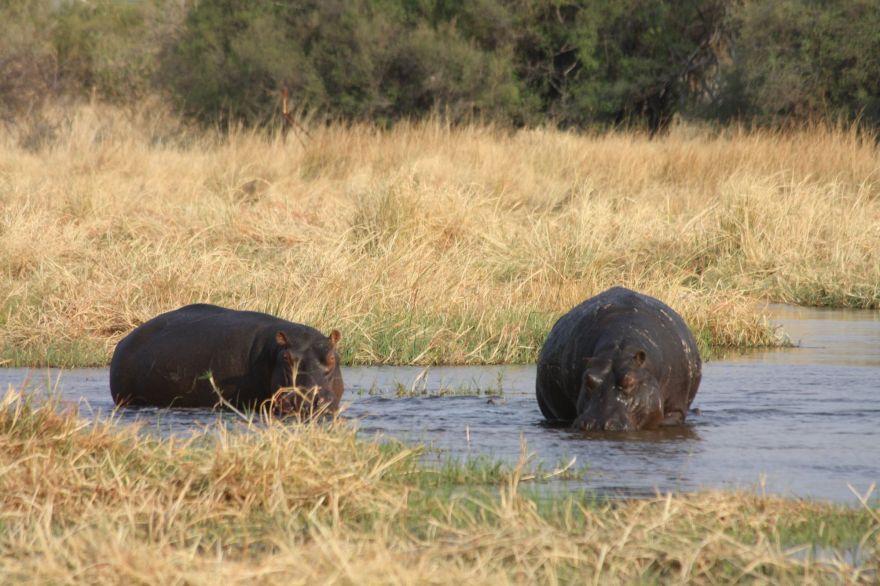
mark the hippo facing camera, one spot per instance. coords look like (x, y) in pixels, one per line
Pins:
(619, 361)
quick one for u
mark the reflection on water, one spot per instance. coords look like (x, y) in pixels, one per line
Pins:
(800, 421)
(824, 336)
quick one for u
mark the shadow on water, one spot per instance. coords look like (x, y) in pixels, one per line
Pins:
(797, 422)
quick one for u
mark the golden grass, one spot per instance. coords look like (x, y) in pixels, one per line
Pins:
(84, 502)
(424, 243)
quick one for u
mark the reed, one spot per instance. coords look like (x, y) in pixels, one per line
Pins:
(425, 243)
(92, 502)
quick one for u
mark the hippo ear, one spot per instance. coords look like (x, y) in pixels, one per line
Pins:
(640, 357)
(335, 336)
(281, 339)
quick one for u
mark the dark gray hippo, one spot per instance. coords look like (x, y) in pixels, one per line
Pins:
(619, 361)
(250, 356)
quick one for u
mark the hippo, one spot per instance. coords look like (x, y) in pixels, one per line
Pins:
(176, 359)
(619, 361)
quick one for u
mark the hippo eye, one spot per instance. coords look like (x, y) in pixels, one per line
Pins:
(629, 382)
(330, 362)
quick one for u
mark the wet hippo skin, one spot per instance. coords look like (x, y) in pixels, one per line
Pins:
(165, 362)
(619, 361)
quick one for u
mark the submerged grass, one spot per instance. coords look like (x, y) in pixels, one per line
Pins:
(89, 502)
(424, 243)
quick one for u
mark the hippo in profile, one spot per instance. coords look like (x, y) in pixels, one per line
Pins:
(250, 356)
(619, 361)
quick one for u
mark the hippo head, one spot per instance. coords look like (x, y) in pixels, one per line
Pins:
(619, 394)
(307, 381)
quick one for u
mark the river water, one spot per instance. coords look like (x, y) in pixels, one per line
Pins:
(802, 422)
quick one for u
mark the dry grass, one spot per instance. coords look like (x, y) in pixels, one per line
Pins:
(85, 502)
(425, 243)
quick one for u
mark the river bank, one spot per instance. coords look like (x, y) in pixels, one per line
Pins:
(795, 422)
(426, 243)
(288, 504)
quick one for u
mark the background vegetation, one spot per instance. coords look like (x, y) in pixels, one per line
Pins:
(453, 197)
(425, 243)
(575, 63)
(453, 190)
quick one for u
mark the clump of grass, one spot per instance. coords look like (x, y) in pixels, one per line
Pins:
(419, 387)
(424, 243)
(85, 501)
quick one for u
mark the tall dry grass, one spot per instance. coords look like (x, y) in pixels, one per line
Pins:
(423, 243)
(86, 502)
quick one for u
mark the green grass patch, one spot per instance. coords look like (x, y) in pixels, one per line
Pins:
(429, 338)
(74, 353)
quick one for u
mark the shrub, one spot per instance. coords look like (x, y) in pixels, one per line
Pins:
(807, 59)
(27, 64)
(349, 59)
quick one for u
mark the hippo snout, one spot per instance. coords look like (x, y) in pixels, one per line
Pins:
(324, 401)
(615, 425)
(305, 403)
(592, 424)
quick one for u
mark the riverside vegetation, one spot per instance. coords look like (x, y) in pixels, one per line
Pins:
(575, 63)
(425, 243)
(90, 502)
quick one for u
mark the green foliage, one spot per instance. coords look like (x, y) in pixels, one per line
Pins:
(575, 63)
(228, 53)
(26, 64)
(103, 47)
(93, 42)
(437, 69)
(350, 59)
(809, 59)
(617, 61)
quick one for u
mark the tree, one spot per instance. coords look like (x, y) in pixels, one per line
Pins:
(618, 61)
(351, 59)
(800, 60)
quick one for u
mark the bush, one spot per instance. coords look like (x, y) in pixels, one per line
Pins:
(612, 62)
(437, 69)
(575, 63)
(349, 59)
(808, 59)
(28, 68)
(104, 48)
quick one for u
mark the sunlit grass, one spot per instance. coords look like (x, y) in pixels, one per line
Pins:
(423, 244)
(87, 502)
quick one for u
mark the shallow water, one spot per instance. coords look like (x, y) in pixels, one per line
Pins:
(799, 422)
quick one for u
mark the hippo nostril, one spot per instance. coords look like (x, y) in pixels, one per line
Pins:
(322, 402)
(587, 425)
(613, 425)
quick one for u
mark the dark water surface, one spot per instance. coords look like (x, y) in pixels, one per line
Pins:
(798, 422)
